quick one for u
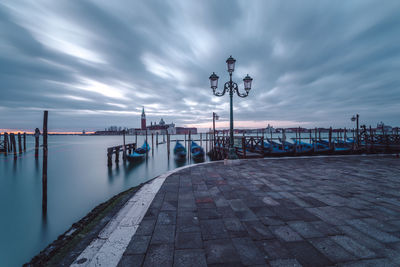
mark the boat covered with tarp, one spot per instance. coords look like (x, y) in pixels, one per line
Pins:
(196, 151)
(179, 151)
(139, 153)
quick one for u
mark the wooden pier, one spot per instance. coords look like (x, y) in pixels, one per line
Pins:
(8, 143)
(124, 149)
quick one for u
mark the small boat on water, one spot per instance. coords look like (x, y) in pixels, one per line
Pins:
(276, 149)
(320, 147)
(197, 151)
(302, 147)
(139, 153)
(339, 146)
(179, 151)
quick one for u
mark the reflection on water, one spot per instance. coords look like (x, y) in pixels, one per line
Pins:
(78, 180)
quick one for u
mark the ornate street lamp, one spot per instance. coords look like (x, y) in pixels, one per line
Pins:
(231, 87)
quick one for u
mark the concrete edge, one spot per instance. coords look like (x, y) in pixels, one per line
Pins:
(109, 246)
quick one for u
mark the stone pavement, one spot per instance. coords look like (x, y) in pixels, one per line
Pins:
(274, 212)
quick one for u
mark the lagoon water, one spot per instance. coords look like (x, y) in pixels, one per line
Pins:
(78, 180)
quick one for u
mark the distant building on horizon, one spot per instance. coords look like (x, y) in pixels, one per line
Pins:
(160, 128)
(143, 120)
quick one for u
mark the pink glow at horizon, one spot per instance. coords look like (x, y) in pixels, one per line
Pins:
(16, 131)
(248, 124)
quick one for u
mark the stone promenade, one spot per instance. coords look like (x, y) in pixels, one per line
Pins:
(274, 212)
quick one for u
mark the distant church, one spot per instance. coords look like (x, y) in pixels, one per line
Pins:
(160, 128)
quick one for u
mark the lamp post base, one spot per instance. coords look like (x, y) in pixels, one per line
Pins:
(232, 154)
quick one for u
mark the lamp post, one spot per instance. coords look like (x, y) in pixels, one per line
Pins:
(355, 118)
(231, 87)
(215, 117)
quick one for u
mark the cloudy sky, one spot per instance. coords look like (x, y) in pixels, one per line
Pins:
(94, 64)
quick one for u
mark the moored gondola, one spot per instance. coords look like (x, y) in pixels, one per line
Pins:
(179, 151)
(139, 154)
(196, 151)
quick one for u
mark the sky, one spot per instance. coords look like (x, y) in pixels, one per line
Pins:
(94, 64)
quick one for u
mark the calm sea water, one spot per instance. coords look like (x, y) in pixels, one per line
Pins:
(78, 180)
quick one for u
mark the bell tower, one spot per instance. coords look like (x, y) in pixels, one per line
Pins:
(143, 120)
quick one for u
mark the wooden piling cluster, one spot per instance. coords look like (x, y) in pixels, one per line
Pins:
(127, 148)
(9, 144)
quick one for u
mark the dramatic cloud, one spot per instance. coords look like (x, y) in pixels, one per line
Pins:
(93, 64)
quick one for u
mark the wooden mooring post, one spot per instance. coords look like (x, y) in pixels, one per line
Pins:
(37, 134)
(330, 137)
(44, 170)
(152, 141)
(13, 145)
(123, 147)
(157, 139)
(189, 145)
(206, 142)
(201, 139)
(19, 143)
(6, 145)
(24, 141)
(168, 144)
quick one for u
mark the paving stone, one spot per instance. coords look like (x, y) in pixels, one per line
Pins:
(284, 214)
(262, 211)
(381, 225)
(332, 250)
(245, 215)
(253, 201)
(305, 229)
(226, 212)
(188, 240)
(268, 221)
(304, 215)
(146, 227)
(187, 205)
(190, 257)
(257, 230)
(234, 227)
(285, 233)
(353, 247)
(361, 238)
(285, 263)
(131, 260)
(151, 213)
(220, 251)
(138, 244)
(307, 255)
(205, 214)
(166, 217)
(270, 201)
(248, 251)
(163, 234)
(326, 228)
(169, 205)
(220, 201)
(323, 215)
(238, 205)
(159, 255)
(213, 229)
(273, 249)
(370, 263)
(372, 231)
